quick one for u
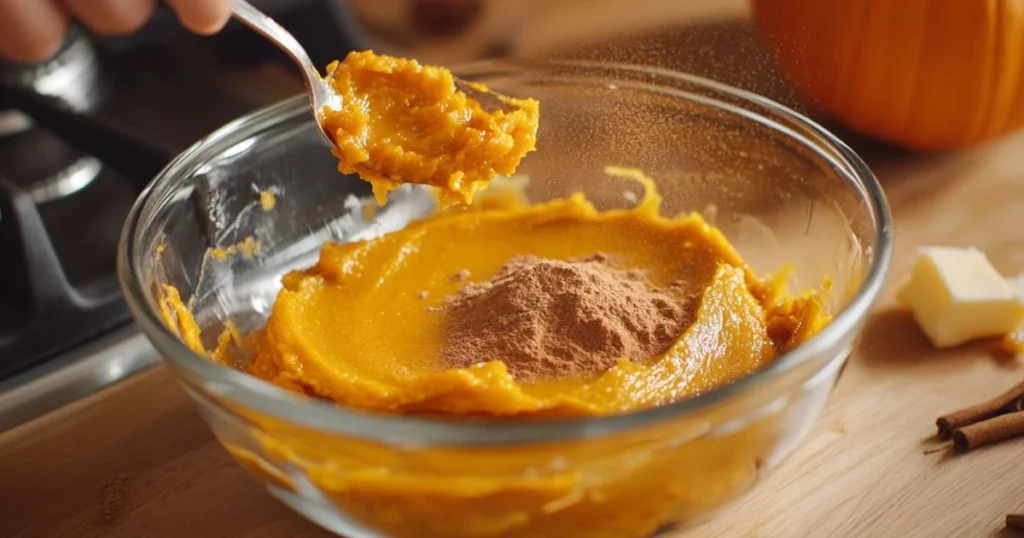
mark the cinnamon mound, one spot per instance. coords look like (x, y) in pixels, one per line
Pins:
(551, 319)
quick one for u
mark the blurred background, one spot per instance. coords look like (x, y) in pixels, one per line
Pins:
(716, 39)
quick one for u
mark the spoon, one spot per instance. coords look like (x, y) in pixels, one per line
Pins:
(320, 92)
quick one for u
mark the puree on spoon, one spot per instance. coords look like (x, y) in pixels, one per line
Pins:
(403, 122)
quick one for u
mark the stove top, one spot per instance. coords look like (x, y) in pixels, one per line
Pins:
(64, 327)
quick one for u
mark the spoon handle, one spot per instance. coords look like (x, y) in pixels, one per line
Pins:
(320, 94)
(270, 29)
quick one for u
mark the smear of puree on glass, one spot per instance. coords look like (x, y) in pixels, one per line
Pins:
(403, 122)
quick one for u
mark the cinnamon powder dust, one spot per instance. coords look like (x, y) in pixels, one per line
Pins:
(550, 318)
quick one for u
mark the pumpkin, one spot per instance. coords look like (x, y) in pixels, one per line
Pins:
(923, 74)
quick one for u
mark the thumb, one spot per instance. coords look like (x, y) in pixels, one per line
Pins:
(31, 30)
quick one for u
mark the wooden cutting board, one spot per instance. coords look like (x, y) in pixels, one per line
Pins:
(137, 461)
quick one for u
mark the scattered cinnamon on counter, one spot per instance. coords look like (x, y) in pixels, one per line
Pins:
(113, 499)
(989, 431)
(550, 318)
(1007, 402)
(1015, 521)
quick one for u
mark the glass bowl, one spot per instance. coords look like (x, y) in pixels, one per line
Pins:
(780, 187)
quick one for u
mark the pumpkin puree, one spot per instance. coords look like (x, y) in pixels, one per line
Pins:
(402, 122)
(356, 329)
(368, 292)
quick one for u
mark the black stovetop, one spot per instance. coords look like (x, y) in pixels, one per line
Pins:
(58, 242)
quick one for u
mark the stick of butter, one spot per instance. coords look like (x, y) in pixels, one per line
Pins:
(956, 296)
(1017, 283)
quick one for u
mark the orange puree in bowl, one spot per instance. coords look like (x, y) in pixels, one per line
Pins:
(402, 122)
(358, 328)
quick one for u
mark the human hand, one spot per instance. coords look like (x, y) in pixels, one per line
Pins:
(32, 30)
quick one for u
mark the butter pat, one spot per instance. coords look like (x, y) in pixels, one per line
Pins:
(956, 296)
(1017, 284)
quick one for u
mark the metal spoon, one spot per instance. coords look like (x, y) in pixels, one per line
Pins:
(321, 93)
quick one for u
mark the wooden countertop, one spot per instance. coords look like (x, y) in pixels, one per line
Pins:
(137, 461)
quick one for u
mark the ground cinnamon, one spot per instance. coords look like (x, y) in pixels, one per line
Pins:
(1007, 402)
(113, 499)
(550, 318)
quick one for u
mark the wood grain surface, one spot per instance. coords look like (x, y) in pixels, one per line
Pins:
(137, 460)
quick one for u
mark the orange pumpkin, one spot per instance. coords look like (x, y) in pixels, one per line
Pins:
(925, 74)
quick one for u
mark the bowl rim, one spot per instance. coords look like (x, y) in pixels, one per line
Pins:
(328, 417)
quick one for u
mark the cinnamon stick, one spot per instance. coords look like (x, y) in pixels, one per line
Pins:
(1007, 402)
(1015, 521)
(989, 431)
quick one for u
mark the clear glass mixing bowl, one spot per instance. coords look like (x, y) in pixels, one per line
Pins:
(781, 188)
